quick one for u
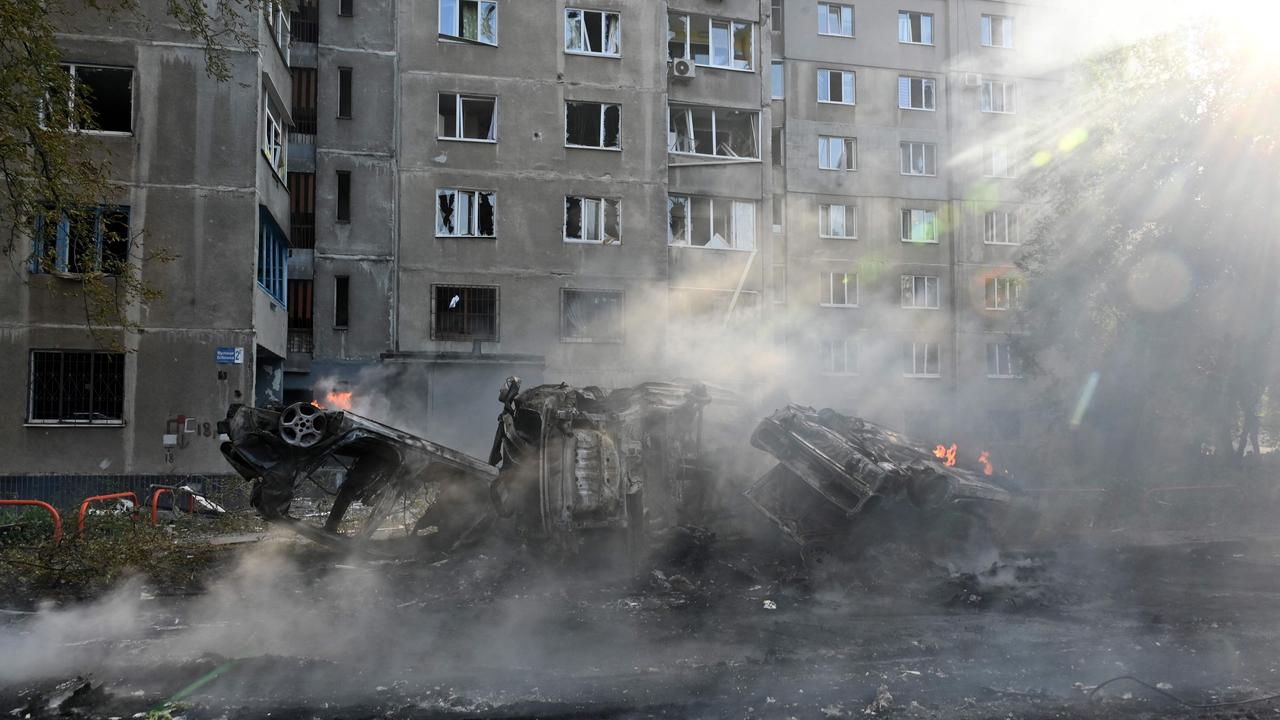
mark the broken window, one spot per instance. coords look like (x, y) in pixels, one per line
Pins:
(1001, 361)
(465, 213)
(273, 257)
(714, 42)
(1000, 227)
(837, 153)
(921, 359)
(915, 27)
(69, 387)
(835, 86)
(344, 92)
(273, 138)
(835, 19)
(593, 125)
(464, 312)
(919, 158)
(838, 289)
(919, 226)
(467, 117)
(278, 25)
(82, 240)
(920, 292)
(704, 222)
(718, 132)
(997, 96)
(341, 301)
(916, 93)
(474, 20)
(592, 32)
(591, 315)
(996, 162)
(1002, 293)
(997, 31)
(839, 356)
(838, 221)
(591, 220)
(101, 98)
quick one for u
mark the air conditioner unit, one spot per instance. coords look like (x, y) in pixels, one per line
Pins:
(972, 79)
(681, 68)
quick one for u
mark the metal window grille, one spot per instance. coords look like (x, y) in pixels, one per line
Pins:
(76, 387)
(302, 210)
(464, 312)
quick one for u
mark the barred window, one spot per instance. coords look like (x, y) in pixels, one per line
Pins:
(464, 312)
(76, 387)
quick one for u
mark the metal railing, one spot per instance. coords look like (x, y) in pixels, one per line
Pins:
(301, 341)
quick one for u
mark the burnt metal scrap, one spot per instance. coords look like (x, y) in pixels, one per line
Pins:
(832, 468)
(377, 465)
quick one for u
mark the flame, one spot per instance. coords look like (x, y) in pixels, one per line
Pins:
(985, 459)
(316, 404)
(335, 400)
(948, 453)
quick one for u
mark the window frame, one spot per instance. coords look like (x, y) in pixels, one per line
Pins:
(924, 345)
(986, 30)
(29, 419)
(1008, 97)
(456, 22)
(474, 205)
(74, 97)
(604, 106)
(848, 151)
(907, 15)
(915, 300)
(928, 91)
(672, 108)
(342, 197)
(909, 221)
(688, 19)
(826, 351)
(777, 79)
(437, 336)
(711, 216)
(601, 216)
(828, 294)
(1012, 291)
(824, 12)
(989, 228)
(989, 155)
(824, 218)
(1010, 364)
(62, 251)
(603, 35)
(909, 146)
(853, 87)
(341, 300)
(458, 123)
(275, 139)
(619, 339)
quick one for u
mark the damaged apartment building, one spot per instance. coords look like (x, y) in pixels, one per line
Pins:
(598, 193)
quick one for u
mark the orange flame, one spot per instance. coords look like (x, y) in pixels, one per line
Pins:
(316, 404)
(985, 459)
(949, 454)
(339, 400)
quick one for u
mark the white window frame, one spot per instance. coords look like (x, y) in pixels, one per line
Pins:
(836, 290)
(603, 110)
(672, 137)
(473, 219)
(848, 152)
(1006, 365)
(994, 219)
(919, 356)
(603, 206)
(583, 20)
(829, 349)
(275, 146)
(925, 150)
(450, 29)
(1008, 97)
(927, 218)
(1003, 293)
(995, 162)
(928, 92)
(850, 226)
(620, 335)
(852, 84)
(924, 32)
(690, 18)
(458, 97)
(72, 98)
(912, 287)
(777, 80)
(988, 31)
(841, 11)
(278, 23)
(733, 239)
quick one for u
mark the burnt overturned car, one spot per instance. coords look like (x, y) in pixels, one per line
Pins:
(833, 469)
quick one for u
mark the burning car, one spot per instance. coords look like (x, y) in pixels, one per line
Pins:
(833, 468)
(375, 464)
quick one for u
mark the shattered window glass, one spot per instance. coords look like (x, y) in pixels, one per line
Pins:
(743, 46)
(591, 220)
(720, 132)
(591, 315)
(85, 239)
(465, 213)
(592, 32)
(677, 220)
(475, 20)
(677, 36)
(711, 223)
(596, 125)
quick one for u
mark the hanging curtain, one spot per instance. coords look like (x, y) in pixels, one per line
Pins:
(493, 123)
(573, 30)
(613, 40)
(590, 219)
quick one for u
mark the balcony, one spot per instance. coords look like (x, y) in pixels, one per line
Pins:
(305, 22)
